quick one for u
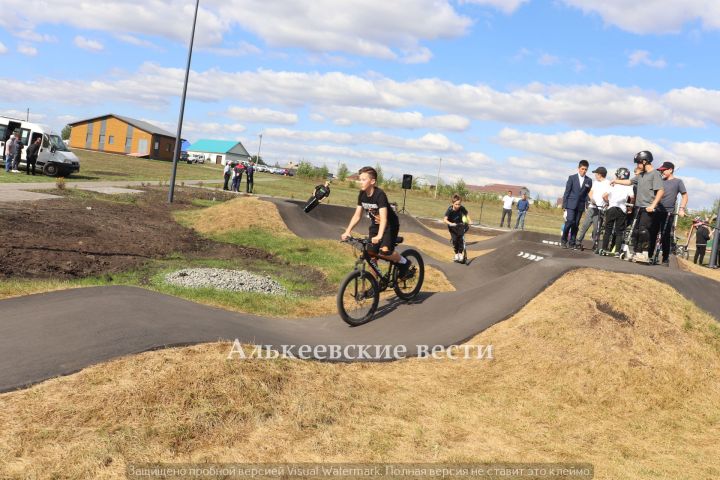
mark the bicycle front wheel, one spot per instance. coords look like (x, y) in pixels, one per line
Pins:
(358, 298)
(408, 288)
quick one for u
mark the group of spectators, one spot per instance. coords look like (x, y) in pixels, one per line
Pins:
(523, 205)
(233, 174)
(12, 154)
(645, 203)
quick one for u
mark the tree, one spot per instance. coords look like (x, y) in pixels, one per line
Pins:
(461, 188)
(66, 132)
(342, 172)
(257, 160)
(380, 176)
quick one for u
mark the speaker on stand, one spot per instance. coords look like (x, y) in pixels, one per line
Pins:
(406, 185)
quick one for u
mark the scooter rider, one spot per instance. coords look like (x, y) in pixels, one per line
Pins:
(673, 187)
(650, 190)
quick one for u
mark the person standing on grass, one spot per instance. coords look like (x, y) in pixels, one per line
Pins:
(250, 174)
(523, 206)
(32, 155)
(17, 154)
(237, 177)
(577, 188)
(507, 209)
(227, 174)
(9, 145)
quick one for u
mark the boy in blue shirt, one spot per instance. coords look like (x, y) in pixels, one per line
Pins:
(523, 206)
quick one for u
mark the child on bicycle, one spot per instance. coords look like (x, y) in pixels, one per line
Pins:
(457, 220)
(384, 222)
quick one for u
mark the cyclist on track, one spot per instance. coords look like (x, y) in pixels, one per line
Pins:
(384, 222)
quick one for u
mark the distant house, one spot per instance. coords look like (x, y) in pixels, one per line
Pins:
(500, 189)
(220, 151)
(117, 134)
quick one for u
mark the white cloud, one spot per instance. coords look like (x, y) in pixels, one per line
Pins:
(380, 117)
(261, 115)
(32, 36)
(87, 44)
(547, 60)
(22, 114)
(431, 141)
(642, 57)
(3, 48)
(374, 28)
(137, 41)
(506, 6)
(28, 50)
(653, 16)
(698, 154)
(601, 105)
(241, 49)
(577, 145)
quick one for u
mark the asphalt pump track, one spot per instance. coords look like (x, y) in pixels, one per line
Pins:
(58, 333)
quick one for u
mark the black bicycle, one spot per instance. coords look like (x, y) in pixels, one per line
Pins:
(359, 293)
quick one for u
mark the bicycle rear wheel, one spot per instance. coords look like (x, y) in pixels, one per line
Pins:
(409, 288)
(358, 297)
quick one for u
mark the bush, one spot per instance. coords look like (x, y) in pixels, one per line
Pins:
(342, 172)
(307, 170)
(60, 183)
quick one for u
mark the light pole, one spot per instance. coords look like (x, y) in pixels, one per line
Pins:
(257, 160)
(176, 153)
(437, 185)
(714, 254)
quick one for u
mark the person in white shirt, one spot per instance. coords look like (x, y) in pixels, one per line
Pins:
(596, 208)
(507, 208)
(616, 216)
(9, 147)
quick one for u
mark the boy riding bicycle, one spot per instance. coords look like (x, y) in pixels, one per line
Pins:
(457, 220)
(384, 222)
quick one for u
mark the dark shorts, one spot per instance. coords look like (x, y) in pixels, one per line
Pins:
(387, 242)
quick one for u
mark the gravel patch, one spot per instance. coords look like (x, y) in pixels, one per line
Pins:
(222, 279)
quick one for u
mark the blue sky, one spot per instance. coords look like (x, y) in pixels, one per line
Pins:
(506, 91)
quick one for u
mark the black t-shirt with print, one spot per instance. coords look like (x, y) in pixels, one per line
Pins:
(455, 216)
(372, 205)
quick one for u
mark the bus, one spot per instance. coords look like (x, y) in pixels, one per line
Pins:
(54, 157)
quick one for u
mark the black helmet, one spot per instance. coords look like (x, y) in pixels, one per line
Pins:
(622, 173)
(644, 155)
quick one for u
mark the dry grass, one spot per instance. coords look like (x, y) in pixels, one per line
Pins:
(20, 288)
(704, 271)
(635, 391)
(440, 251)
(242, 213)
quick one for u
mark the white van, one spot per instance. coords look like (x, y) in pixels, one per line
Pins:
(54, 157)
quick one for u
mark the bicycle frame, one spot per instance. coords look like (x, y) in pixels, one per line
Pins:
(385, 280)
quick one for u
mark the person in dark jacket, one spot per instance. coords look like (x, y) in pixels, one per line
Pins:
(32, 155)
(249, 174)
(702, 237)
(17, 154)
(577, 188)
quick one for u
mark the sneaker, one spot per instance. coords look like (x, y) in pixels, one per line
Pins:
(405, 270)
(564, 245)
(666, 262)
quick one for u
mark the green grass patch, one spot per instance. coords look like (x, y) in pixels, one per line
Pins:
(332, 258)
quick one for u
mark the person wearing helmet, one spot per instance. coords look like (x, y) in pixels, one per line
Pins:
(650, 190)
(616, 215)
(673, 187)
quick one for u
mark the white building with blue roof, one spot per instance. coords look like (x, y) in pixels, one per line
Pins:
(219, 151)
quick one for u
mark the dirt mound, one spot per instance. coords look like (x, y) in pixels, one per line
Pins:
(583, 373)
(87, 234)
